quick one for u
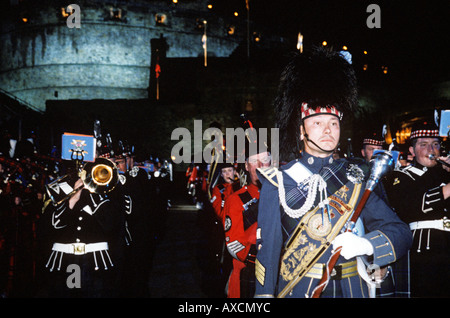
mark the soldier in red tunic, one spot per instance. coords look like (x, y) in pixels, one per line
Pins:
(241, 211)
(221, 191)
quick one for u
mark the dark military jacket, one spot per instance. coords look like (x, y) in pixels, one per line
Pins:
(281, 251)
(415, 193)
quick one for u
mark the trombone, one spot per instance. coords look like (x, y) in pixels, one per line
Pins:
(100, 176)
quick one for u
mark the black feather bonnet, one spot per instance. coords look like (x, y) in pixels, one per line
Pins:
(318, 80)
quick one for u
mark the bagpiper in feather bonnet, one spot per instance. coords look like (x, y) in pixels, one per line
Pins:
(315, 82)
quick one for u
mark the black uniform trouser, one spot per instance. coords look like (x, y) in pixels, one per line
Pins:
(100, 283)
(430, 276)
(430, 268)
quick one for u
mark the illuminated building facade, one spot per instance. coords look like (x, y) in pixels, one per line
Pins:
(111, 54)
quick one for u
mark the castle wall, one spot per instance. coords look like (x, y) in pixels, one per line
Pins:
(107, 57)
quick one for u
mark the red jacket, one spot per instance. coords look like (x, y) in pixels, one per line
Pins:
(219, 195)
(240, 233)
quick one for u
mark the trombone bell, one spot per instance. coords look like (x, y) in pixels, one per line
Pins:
(100, 176)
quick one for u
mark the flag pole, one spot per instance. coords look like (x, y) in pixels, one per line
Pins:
(157, 88)
(157, 72)
(204, 39)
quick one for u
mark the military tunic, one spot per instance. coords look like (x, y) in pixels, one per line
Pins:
(284, 243)
(218, 200)
(140, 224)
(220, 193)
(415, 193)
(90, 235)
(240, 237)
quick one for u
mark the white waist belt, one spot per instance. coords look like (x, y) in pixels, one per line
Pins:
(443, 225)
(79, 248)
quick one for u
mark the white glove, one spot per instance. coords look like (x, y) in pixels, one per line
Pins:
(352, 245)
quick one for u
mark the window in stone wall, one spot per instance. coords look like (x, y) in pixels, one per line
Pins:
(248, 105)
(65, 13)
(115, 14)
(161, 19)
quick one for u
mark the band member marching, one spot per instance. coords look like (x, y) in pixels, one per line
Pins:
(241, 212)
(419, 194)
(83, 228)
(139, 202)
(224, 189)
(84, 232)
(304, 205)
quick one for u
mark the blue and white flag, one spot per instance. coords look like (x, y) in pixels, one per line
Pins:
(76, 146)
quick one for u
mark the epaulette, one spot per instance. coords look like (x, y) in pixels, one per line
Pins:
(414, 170)
(411, 171)
(270, 173)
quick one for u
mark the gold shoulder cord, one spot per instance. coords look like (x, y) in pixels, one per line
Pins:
(296, 262)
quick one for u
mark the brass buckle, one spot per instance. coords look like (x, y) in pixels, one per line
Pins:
(446, 224)
(79, 248)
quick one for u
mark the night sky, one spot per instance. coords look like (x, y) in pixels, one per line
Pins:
(412, 42)
(413, 39)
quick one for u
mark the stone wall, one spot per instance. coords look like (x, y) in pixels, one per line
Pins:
(109, 56)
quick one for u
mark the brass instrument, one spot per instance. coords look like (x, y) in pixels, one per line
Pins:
(98, 177)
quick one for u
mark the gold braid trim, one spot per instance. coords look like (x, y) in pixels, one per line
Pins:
(295, 262)
(269, 173)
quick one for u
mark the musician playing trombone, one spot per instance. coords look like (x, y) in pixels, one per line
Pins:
(306, 204)
(419, 194)
(82, 235)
